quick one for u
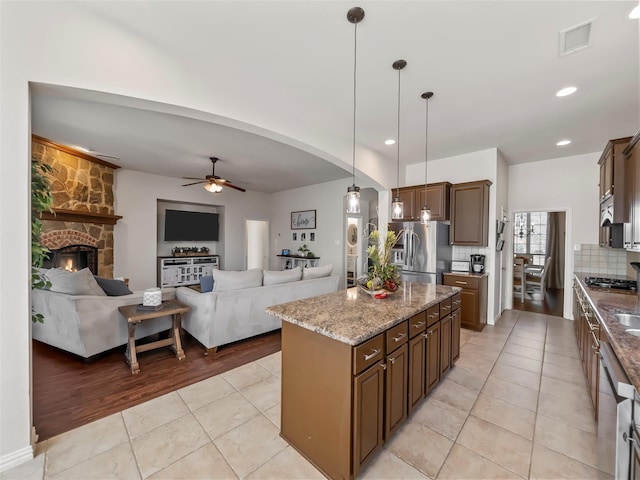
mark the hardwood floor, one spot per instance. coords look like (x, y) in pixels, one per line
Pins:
(550, 304)
(68, 392)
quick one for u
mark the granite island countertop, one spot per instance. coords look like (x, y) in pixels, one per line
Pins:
(606, 303)
(352, 316)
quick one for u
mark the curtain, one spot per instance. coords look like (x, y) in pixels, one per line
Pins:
(555, 249)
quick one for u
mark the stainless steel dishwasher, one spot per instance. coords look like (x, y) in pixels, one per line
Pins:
(616, 399)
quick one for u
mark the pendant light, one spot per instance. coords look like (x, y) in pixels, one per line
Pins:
(425, 213)
(397, 208)
(355, 16)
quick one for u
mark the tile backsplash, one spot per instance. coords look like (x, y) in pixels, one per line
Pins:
(604, 261)
(463, 253)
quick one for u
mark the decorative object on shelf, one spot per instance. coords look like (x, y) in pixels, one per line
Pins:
(152, 297)
(302, 220)
(285, 251)
(425, 213)
(382, 272)
(303, 251)
(355, 16)
(397, 207)
(189, 251)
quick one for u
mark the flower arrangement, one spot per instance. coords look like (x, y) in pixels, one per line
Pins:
(189, 251)
(382, 273)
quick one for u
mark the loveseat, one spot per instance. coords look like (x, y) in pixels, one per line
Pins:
(235, 309)
(89, 323)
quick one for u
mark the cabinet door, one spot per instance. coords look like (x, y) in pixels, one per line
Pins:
(417, 377)
(432, 365)
(456, 323)
(445, 344)
(635, 219)
(396, 389)
(368, 414)
(437, 198)
(469, 310)
(606, 173)
(408, 197)
(470, 213)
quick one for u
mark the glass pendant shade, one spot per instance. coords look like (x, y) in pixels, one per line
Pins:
(397, 209)
(212, 187)
(425, 215)
(353, 199)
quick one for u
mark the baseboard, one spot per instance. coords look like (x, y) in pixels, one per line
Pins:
(16, 458)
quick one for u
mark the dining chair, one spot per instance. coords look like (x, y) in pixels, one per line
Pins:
(519, 277)
(537, 283)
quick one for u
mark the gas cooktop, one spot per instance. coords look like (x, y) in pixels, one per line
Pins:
(613, 283)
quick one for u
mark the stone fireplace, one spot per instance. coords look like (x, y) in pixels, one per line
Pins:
(82, 189)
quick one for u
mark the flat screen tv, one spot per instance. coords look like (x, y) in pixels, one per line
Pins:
(181, 225)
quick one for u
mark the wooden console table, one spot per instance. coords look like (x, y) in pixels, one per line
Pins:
(135, 316)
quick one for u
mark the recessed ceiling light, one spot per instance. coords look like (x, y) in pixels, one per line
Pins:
(562, 143)
(566, 91)
(635, 13)
(391, 141)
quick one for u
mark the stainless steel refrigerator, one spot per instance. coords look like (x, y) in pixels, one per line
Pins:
(423, 253)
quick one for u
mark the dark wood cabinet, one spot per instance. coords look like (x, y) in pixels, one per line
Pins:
(473, 298)
(437, 196)
(432, 357)
(368, 410)
(456, 323)
(470, 213)
(408, 195)
(632, 193)
(417, 348)
(445, 344)
(396, 389)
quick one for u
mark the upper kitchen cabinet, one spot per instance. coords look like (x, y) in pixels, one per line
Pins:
(408, 197)
(612, 168)
(614, 198)
(470, 213)
(437, 198)
(632, 193)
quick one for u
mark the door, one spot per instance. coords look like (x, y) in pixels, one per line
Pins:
(257, 244)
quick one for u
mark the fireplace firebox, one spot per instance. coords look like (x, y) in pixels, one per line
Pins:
(73, 258)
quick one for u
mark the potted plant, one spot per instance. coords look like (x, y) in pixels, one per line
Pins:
(303, 251)
(41, 201)
(382, 273)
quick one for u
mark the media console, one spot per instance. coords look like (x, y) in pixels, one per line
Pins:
(179, 271)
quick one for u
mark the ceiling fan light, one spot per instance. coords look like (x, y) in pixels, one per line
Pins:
(212, 187)
(397, 209)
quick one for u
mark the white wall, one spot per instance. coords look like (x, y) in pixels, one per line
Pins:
(568, 184)
(136, 195)
(481, 165)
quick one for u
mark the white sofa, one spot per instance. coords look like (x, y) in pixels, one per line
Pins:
(89, 324)
(221, 317)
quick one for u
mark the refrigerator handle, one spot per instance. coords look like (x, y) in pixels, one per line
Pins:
(411, 250)
(405, 260)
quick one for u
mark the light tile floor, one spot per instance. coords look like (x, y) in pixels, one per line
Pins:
(514, 406)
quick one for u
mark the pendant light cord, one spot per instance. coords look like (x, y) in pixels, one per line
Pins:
(398, 140)
(355, 63)
(426, 147)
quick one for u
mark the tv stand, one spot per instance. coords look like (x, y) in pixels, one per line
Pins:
(183, 271)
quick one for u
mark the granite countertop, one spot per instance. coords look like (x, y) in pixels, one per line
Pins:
(467, 274)
(606, 303)
(352, 316)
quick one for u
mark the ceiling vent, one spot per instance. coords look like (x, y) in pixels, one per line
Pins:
(575, 38)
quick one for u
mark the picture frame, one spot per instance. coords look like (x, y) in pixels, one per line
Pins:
(294, 236)
(303, 237)
(312, 236)
(303, 220)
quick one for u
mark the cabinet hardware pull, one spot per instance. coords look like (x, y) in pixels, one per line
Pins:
(418, 325)
(461, 283)
(457, 302)
(434, 315)
(384, 366)
(425, 335)
(430, 332)
(397, 339)
(372, 354)
(392, 360)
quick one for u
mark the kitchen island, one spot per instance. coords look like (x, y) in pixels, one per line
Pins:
(354, 367)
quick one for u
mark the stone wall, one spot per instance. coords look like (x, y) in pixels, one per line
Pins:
(80, 183)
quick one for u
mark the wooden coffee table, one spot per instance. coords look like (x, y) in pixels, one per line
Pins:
(135, 316)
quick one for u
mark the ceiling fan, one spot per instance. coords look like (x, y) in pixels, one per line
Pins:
(213, 183)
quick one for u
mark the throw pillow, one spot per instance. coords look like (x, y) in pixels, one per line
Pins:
(317, 272)
(113, 287)
(226, 280)
(74, 283)
(206, 283)
(274, 277)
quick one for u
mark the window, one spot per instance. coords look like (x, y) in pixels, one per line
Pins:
(530, 236)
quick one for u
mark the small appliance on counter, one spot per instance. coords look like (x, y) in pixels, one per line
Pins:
(477, 263)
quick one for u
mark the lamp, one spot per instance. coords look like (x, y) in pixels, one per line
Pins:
(397, 207)
(212, 187)
(355, 16)
(425, 213)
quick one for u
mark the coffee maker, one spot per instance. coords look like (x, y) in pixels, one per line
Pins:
(477, 264)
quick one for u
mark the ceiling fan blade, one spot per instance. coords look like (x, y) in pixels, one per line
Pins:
(194, 178)
(194, 183)
(231, 185)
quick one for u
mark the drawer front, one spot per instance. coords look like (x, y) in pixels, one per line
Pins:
(397, 336)
(462, 282)
(368, 353)
(456, 302)
(433, 315)
(417, 324)
(445, 307)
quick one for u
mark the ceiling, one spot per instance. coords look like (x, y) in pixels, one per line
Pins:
(268, 86)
